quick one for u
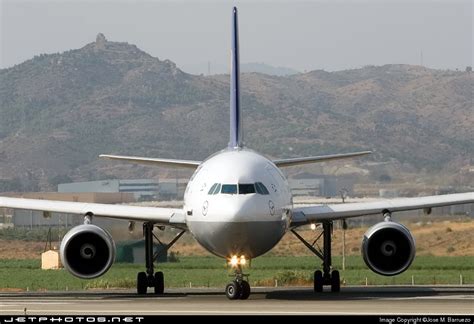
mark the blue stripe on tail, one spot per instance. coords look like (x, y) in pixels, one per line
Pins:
(236, 135)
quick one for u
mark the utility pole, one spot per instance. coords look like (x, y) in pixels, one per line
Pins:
(177, 183)
(344, 227)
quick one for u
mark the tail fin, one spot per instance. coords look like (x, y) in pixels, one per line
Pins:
(236, 136)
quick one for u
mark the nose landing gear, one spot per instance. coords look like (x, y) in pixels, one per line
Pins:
(239, 288)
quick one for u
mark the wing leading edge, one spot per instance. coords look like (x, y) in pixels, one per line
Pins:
(164, 216)
(154, 161)
(319, 213)
(320, 158)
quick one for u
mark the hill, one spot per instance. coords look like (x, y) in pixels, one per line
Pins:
(59, 111)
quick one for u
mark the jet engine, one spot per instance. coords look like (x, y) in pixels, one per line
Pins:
(388, 248)
(87, 251)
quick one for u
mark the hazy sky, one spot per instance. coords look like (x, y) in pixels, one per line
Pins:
(330, 35)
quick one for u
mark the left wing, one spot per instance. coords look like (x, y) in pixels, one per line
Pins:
(319, 213)
(165, 216)
(154, 161)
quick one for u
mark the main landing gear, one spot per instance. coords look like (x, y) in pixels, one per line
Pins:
(325, 277)
(239, 288)
(150, 278)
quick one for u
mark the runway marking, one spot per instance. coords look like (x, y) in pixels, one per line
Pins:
(453, 297)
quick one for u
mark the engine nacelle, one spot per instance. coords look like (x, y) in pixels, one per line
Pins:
(87, 251)
(388, 248)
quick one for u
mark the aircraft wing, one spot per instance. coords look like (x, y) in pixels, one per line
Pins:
(320, 158)
(154, 161)
(165, 216)
(320, 213)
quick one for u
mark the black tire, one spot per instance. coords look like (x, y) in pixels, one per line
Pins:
(159, 283)
(142, 283)
(245, 290)
(233, 290)
(318, 281)
(335, 281)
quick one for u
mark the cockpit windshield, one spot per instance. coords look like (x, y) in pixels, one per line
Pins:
(246, 188)
(230, 189)
(241, 189)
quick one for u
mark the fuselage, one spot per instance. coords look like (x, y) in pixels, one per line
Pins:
(237, 204)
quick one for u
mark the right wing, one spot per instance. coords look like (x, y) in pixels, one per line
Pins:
(165, 216)
(315, 159)
(319, 213)
(154, 161)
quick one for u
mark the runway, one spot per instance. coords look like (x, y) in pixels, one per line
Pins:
(278, 301)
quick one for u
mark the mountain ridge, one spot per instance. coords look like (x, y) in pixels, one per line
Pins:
(59, 111)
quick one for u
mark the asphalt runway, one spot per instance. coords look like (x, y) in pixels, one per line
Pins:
(280, 301)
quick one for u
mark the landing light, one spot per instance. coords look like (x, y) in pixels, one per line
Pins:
(236, 261)
(313, 226)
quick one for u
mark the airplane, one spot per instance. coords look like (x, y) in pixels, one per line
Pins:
(237, 205)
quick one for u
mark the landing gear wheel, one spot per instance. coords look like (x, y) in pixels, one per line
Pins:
(233, 290)
(245, 287)
(335, 281)
(318, 281)
(142, 283)
(159, 283)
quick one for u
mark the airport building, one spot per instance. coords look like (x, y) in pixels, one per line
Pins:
(30, 218)
(315, 185)
(142, 189)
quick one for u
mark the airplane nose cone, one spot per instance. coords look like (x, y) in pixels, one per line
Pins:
(244, 226)
(250, 239)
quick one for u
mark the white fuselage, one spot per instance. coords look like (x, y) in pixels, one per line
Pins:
(238, 216)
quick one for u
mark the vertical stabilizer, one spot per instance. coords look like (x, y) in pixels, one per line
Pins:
(236, 135)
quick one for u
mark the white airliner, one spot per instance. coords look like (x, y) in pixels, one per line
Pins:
(237, 205)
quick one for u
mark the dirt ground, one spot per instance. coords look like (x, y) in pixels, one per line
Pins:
(441, 238)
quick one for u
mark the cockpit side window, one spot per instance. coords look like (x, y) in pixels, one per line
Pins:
(230, 189)
(261, 189)
(211, 191)
(246, 188)
(217, 190)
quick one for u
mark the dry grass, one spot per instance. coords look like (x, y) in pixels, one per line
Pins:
(21, 249)
(431, 239)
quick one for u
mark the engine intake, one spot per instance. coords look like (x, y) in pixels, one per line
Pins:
(388, 248)
(87, 251)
